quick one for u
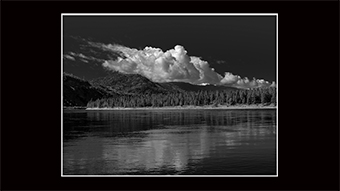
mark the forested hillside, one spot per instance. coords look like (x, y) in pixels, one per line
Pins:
(132, 84)
(133, 90)
(78, 92)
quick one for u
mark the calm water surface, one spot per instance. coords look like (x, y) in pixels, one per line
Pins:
(164, 142)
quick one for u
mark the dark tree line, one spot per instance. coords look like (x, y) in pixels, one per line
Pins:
(263, 96)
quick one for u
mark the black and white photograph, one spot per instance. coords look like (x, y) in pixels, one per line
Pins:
(185, 95)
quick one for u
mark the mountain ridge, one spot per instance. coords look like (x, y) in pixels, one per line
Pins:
(131, 84)
(78, 91)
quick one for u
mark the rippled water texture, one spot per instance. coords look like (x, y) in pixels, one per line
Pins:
(163, 142)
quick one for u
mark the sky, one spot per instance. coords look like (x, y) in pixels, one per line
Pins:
(241, 45)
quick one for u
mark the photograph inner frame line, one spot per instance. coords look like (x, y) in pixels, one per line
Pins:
(89, 131)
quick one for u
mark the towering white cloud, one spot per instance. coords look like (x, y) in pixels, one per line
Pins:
(159, 66)
(172, 65)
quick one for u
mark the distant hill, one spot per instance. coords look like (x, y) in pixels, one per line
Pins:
(195, 88)
(77, 92)
(131, 84)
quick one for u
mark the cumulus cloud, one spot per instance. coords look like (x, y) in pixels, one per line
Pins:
(237, 81)
(159, 66)
(172, 65)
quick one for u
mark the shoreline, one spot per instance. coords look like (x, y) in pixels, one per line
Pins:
(74, 107)
(185, 108)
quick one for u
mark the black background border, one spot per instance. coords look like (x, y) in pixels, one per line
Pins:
(308, 96)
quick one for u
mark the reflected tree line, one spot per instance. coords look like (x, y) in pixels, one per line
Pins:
(121, 123)
(128, 121)
(265, 96)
